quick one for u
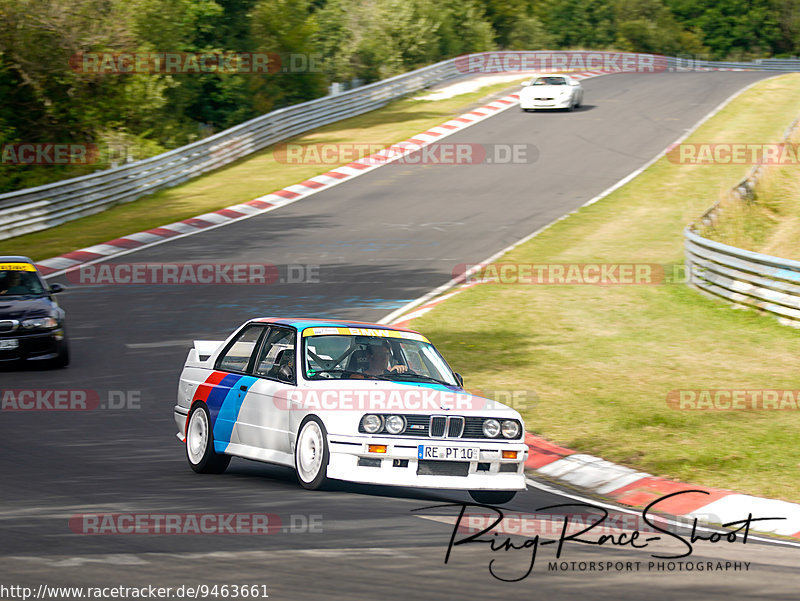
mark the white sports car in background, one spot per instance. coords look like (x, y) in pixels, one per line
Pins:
(551, 92)
(348, 401)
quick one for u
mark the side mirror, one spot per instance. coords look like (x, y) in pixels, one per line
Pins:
(459, 379)
(56, 288)
(286, 374)
(526, 83)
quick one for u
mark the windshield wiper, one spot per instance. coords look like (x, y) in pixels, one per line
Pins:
(350, 372)
(423, 376)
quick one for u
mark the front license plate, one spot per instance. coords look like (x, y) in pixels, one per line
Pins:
(7, 345)
(425, 451)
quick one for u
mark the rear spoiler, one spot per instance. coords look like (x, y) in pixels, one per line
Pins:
(202, 350)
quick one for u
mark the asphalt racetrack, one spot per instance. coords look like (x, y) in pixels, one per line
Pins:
(375, 242)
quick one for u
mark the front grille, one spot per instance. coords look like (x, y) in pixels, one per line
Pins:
(455, 427)
(509, 467)
(438, 424)
(426, 467)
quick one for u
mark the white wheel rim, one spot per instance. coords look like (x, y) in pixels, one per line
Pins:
(197, 436)
(310, 446)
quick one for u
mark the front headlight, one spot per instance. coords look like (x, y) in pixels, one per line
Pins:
(491, 428)
(40, 323)
(510, 429)
(372, 423)
(395, 424)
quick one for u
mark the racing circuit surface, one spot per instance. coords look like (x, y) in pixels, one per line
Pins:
(379, 240)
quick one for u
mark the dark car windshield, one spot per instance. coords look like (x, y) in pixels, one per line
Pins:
(550, 81)
(18, 282)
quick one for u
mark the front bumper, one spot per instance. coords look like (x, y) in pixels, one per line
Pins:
(400, 466)
(34, 346)
(546, 104)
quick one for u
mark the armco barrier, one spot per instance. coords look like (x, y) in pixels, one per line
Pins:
(744, 277)
(39, 208)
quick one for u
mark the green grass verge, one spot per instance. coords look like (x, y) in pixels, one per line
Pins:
(769, 225)
(248, 178)
(603, 359)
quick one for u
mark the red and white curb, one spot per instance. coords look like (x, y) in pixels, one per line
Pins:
(637, 489)
(269, 202)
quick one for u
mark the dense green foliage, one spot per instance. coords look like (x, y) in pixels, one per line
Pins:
(132, 115)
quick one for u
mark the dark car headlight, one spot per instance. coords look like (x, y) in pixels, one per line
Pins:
(40, 323)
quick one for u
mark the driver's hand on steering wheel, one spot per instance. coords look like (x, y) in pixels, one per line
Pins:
(398, 369)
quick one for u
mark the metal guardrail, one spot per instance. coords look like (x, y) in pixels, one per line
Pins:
(743, 277)
(39, 208)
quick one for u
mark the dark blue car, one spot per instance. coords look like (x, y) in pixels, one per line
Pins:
(31, 322)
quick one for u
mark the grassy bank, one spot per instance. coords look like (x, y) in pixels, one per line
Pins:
(248, 178)
(771, 224)
(603, 359)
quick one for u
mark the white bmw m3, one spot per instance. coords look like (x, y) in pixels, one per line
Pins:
(348, 401)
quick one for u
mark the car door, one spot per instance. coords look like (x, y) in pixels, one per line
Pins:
(230, 382)
(264, 417)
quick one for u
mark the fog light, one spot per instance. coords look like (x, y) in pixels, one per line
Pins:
(377, 448)
(509, 454)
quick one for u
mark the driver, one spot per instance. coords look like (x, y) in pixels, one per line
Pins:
(379, 360)
(12, 284)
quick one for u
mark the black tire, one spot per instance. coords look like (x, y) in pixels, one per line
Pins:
(200, 451)
(312, 470)
(62, 360)
(492, 497)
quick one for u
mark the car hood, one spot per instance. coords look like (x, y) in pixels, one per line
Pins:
(397, 397)
(25, 308)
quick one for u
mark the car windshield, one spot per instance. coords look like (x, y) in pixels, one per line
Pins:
(550, 81)
(380, 355)
(20, 282)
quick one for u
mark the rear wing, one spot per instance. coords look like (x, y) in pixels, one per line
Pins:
(202, 351)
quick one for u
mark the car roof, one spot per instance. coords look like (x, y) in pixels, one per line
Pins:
(551, 75)
(302, 323)
(15, 259)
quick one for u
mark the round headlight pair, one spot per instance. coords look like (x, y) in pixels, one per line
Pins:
(373, 424)
(492, 428)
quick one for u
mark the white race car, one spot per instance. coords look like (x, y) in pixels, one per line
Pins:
(551, 92)
(347, 401)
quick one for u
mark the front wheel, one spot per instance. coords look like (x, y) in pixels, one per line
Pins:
(200, 444)
(492, 497)
(311, 455)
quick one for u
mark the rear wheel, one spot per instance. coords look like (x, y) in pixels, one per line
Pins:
(311, 454)
(492, 497)
(200, 444)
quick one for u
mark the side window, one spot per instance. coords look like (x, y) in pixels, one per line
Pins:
(237, 356)
(277, 351)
